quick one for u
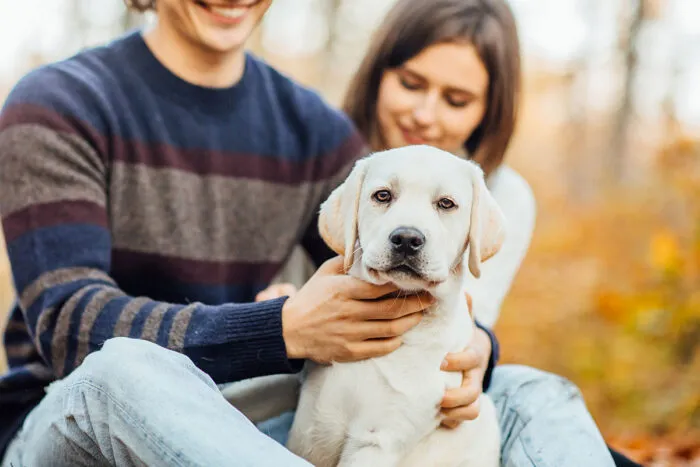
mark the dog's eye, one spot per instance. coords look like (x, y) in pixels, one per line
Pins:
(382, 196)
(446, 204)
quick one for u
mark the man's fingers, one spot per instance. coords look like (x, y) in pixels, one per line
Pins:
(451, 424)
(361, 290)
(332, 266)
(276, 291)
(461, 361)
(376, 329)
(460, 397)
(373, 348)
(460, 414)
(286, 289)
(396, 307)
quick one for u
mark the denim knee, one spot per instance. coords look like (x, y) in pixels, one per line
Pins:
(125, 362)
(526, 390)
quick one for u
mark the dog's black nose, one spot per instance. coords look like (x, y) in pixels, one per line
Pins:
(407, 240)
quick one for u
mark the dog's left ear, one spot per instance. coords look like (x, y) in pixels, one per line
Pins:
(337, 221)
(487, 225)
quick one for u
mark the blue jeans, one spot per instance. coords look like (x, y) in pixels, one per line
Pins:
(135, 403)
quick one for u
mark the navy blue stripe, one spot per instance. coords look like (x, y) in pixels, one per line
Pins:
(140, 319)
(15, 337)
(103, 327)
(72, 341)
(56, 296)
(166, 324)
(300, 125)
(62, 246)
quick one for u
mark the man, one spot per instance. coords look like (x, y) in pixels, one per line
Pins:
(149, 189)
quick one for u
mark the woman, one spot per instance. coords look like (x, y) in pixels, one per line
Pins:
(447, 73)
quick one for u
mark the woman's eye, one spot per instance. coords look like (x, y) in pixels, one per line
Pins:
(446, 204)
(408, 84)
(382, 196)
(456, 102)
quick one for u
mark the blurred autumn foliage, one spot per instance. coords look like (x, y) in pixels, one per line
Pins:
(619, 278)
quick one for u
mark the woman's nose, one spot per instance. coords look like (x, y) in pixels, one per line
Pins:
(425, 110)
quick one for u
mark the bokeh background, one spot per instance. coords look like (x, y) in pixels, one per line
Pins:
(609, 139)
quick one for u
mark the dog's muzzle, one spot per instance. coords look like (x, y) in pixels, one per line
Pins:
(406, 241)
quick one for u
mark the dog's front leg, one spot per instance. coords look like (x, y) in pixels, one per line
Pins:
(381, 441)
(370, 449)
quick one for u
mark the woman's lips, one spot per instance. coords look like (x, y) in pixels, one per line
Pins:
(412, 138)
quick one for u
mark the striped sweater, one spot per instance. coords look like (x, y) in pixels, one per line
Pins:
(136, 204)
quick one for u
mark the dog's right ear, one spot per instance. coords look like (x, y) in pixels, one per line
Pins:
(337, 222)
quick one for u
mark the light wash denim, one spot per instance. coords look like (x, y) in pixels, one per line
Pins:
(134, 403)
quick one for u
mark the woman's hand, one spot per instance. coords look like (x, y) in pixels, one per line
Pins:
(276, 291)
(462, 403)
(338, 318)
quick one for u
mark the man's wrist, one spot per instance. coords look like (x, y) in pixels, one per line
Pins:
(289, 333)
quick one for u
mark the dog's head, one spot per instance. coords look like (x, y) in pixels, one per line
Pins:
(408, 215)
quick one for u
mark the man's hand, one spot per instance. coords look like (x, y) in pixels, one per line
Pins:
(462, 403)
(338, 318)
(276, 291)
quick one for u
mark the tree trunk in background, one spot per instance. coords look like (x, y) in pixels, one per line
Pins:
(618, 147)
(131, 19)
(329, 53)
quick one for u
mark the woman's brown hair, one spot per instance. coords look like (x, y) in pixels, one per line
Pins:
(413, 25)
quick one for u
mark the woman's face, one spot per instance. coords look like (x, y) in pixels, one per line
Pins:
(437, 98)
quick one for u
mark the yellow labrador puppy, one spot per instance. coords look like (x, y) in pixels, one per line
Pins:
(406, 216)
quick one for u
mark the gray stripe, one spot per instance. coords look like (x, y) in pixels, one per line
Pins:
(59, 342)
(152, 324)
(59, 277)
(61, 167)
(23, 350)
(222, 215)
(92, 311)
(126, 318)
(176, 339)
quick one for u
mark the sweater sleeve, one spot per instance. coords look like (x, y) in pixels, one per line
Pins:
(54, 210)
(341, 146)
(515, 198)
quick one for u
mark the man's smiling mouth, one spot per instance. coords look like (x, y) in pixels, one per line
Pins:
(232, 11)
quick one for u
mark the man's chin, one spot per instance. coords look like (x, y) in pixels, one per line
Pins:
(221, 39)
(223, 42)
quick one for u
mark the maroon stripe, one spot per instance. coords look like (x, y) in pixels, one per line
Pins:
(240, 165)
(32, 114)
(128, 263)
(51, 214)
(202, 162)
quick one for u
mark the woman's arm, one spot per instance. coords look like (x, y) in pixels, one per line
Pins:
(516, 200)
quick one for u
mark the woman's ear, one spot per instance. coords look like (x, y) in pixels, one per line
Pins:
(337, 222)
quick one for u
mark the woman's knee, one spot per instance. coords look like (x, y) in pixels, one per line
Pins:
(527, 390)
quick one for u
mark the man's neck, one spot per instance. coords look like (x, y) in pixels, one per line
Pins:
(192, 62)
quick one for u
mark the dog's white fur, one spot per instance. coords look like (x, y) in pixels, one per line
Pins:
(385, 411)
